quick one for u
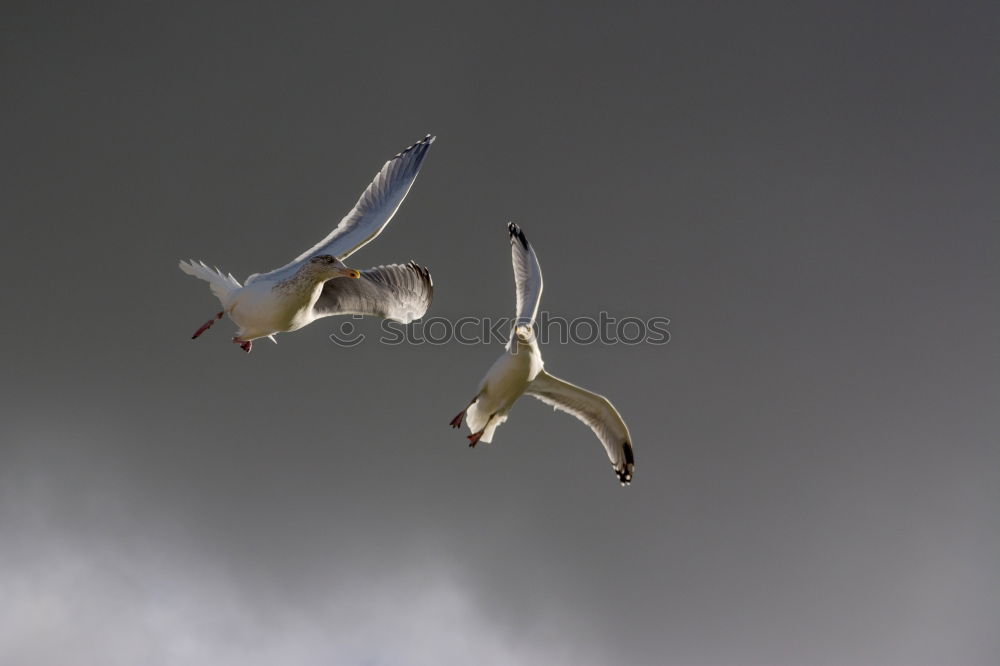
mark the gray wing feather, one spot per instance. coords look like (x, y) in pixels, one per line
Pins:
(398, 292)
(373, 211)
(527, 276)
(594, 410)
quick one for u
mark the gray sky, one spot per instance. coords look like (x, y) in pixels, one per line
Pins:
(807, 190)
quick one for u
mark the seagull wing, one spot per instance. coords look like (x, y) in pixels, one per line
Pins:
(594, 410)
(372, 212)
(527, 276)
(399, 292)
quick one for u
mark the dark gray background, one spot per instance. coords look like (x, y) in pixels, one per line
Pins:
(808, 191)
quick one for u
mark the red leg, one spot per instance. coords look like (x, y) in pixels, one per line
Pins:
(245, 345)
(207, 325)
(476, 436)
(457, 421)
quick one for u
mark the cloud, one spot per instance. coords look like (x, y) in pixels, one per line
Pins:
(84, 581)
(81, 602)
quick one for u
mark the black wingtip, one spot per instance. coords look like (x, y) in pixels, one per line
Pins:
(625, 473)
(423, 271)
(629, 454)
(423, 143)
(515, 232)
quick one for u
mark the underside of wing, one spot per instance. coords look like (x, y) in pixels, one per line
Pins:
(373, 211)
(398, 292)
(378, 203)
(594, 410)
(527, 276)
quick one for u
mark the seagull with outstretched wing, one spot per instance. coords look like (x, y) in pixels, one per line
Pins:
(318, 283)
(520, 371)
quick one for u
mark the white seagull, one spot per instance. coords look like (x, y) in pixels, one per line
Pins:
(317, 283)
(520, 370)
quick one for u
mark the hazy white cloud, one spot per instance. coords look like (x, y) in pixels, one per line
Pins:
(74, 603)
(83, 581)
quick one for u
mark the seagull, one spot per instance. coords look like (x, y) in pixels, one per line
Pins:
(318, 283)
(520, 370)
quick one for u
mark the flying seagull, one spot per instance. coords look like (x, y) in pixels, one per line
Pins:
(318, 283)
(520, 370)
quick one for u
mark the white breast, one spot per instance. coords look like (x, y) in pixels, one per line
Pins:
(259, 311)
(509, 376)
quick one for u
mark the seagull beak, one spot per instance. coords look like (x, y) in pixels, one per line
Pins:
(350, 273)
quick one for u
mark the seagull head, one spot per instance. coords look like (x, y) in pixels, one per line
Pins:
(326, 266)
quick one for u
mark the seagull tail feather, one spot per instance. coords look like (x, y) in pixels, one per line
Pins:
(479, 419)
(222, 285)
